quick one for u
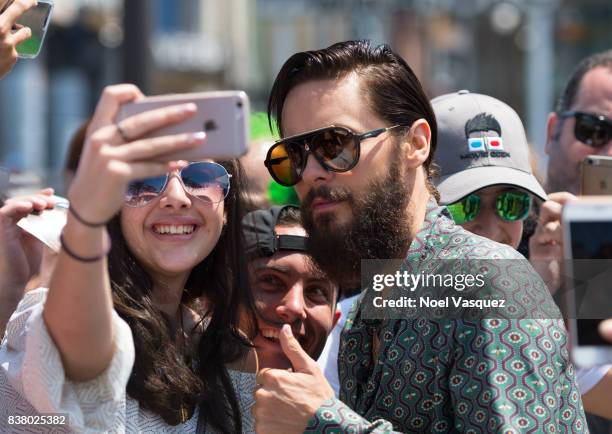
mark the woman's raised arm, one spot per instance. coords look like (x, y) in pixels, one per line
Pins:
(78, 310)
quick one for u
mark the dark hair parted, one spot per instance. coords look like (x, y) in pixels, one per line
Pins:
(597, 60)
(162, 380)
(390, 86)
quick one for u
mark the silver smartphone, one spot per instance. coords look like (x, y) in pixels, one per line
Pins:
(587, 242)
(222, 115)
(37, 19)
(596, 175)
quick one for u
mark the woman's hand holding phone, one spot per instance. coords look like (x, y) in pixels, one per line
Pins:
(10, 12)
(114, 154)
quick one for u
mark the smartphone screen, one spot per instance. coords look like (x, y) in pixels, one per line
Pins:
(590, 241)
(37, 19)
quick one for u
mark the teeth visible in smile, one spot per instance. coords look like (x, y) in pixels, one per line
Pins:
(174, 229)
(270, 333)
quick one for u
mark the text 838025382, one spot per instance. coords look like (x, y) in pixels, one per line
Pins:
(59, 419)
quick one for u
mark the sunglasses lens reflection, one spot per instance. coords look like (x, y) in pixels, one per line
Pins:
(513, 206)
(143, 191)
(336, 147)
(285, 163)
(207, 181)
(465, 210)
(592, 131)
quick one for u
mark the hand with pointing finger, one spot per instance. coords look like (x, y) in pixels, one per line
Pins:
(285, 401)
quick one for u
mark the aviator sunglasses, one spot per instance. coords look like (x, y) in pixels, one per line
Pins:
(335, 148)
(205, 180)
(509, 206)
(591, 129)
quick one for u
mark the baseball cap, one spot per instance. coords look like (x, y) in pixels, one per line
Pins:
(481, 142)
(260, 237)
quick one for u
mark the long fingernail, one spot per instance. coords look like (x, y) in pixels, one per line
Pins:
(197, 137)
(189, 108)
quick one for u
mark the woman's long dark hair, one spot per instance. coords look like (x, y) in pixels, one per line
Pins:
(162, 380)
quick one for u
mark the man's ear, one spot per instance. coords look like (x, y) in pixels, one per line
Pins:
(551, 131)
(416, 146)
(337, 316)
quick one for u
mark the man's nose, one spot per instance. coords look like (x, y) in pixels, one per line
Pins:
(293, 306)
(314, 172)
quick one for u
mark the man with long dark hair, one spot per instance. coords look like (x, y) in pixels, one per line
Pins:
(359, 135)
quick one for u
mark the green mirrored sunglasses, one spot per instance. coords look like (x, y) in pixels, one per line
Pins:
(509, 206)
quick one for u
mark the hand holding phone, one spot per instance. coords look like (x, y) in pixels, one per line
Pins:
(12, 32)
(587, 230)
(222, 115)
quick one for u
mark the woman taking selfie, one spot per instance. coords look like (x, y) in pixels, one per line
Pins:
(142, 311)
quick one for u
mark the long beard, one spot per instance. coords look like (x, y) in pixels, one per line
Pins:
(378, 229)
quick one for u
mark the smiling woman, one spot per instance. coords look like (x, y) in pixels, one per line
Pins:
(139, 341)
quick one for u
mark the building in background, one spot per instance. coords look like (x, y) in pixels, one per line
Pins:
(520, 51)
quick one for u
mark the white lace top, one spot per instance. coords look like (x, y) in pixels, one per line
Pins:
(33, 382)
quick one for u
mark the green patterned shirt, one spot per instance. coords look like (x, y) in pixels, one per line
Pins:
(454, 375)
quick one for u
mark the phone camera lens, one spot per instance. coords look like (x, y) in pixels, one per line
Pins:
(239, 104)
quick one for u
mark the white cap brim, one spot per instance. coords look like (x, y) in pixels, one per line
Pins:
(458, 185)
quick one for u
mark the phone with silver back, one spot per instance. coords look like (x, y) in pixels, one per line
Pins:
(222, 115)
(37, 19)
(587, 244)
(596, 175)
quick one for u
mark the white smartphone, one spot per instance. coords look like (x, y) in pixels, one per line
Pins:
(587, 243)
(222, 115)
(37, 19)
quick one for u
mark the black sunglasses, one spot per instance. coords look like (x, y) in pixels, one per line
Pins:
(590, 128)
(335, 148)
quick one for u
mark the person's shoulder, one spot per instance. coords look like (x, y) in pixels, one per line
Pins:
(462, 244)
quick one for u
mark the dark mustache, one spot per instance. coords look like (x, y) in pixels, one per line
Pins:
(325, 193)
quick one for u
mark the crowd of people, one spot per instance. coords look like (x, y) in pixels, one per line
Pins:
(177, 303)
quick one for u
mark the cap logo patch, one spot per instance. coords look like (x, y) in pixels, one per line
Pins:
(483, 134)
(476, 144)
(494, 143)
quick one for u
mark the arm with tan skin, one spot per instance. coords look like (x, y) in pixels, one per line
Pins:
(546, 244)
(78, 311)
(597, 400)
(20, 252)
(8, 39)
